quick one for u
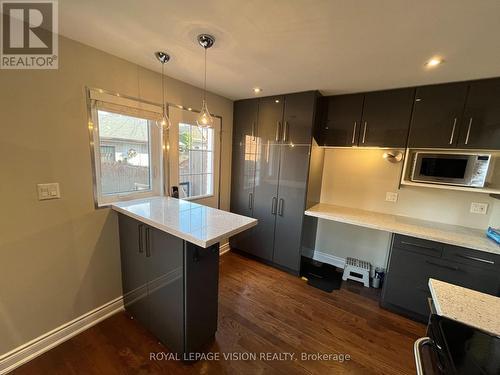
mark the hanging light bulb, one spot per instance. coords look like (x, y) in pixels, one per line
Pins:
(204, 119)
(164, 123)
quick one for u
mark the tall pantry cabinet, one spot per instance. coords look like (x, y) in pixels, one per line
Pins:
(271, 149)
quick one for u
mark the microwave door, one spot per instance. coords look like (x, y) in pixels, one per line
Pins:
(441, 169)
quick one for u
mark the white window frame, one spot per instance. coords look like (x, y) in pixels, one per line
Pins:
(212, 174)
(139, 109)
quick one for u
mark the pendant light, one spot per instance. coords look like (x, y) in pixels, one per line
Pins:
(204, 119)
(164, 123)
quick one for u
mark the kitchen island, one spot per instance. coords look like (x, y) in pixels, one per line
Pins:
(170, 267)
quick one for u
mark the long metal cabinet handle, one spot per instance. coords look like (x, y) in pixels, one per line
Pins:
(416, 350)
(476, 259)
(364, 132)
(354, 131)
(273, 206)
(141, 250)
(250, 201)
(253, 131)
(453, 268)
(148, 247)
(417, 245)
(278, 127)
(280, 206)
(285, 129)
(468, 131)
(453, 130)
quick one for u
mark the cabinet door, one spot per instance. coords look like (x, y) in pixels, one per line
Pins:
(291, 205)
(134, 271)
(386, 118)
(245, 147)
(341, 120)
(266, 200)
(164, 254)
(270, 120)
(437, 115)
(201, 299)
(481, 122)
(298, 118)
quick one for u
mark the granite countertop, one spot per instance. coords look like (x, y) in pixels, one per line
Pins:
(195, 223)
(429, 230)
(466, 306)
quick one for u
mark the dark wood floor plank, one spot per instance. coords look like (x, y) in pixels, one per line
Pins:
(261, 310)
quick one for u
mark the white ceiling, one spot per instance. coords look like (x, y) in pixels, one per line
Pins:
(336, 46)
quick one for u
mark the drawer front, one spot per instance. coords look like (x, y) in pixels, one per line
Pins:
(471, 257)
(418, 245)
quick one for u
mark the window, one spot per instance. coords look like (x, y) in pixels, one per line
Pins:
(126, 151)
(196, 161)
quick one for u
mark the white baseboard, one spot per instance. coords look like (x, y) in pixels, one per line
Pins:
(324, 257)
(224, 248)
(25, 353)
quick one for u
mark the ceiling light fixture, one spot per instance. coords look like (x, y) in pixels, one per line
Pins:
(164, 123)
(435, 61)
(257, 90)
(204, 119)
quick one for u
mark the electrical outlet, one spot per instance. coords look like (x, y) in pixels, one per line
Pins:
(48, 191)
(478, 208)
(391, 197)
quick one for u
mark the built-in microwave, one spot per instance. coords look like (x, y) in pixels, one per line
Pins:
(461, 169)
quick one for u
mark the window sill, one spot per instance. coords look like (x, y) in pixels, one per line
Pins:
(198, 197)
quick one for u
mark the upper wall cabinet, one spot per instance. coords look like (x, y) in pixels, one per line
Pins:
(298, 117)
(373, 119)
(340, 120)
(480, 126)
(437, 115)
(386, 117)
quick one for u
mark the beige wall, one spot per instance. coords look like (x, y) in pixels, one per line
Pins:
(360, 178)
(60, 258)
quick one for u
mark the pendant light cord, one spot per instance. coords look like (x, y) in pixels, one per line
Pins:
(205, 82)
(163, 89)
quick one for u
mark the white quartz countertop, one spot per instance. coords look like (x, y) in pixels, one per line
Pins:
(429, 230)
(195, 223)
(466, 306)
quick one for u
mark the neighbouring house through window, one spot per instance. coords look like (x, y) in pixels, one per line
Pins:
(196, 161)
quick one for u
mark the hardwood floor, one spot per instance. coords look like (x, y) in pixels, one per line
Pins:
(261, 310)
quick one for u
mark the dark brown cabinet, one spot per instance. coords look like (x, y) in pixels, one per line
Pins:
(378, 118)
(341, 119)
(480, 128)
(437, 115)
(386, 118)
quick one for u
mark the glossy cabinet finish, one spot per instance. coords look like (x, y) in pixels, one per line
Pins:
(341, 120)
(297, 119)
(245, 148)
(480, 128)
(134, 270)
(281, 155)
(291, 201)
(386, 118)
(413, 261)
(170, 285)
(437, 115)
(265, 200)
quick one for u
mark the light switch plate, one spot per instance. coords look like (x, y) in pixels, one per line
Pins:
(478, 208)
(391, 197)
(48, 191)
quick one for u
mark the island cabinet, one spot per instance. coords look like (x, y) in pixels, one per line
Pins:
(373, 119)
(413, 261)
(169, 285)
(271, 168)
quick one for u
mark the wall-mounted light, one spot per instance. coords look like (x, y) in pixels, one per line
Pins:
(393, 156)
(205, 119)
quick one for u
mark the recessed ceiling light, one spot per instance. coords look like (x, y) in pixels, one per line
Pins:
(276, 101)
(435, 61)
(257, 90)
